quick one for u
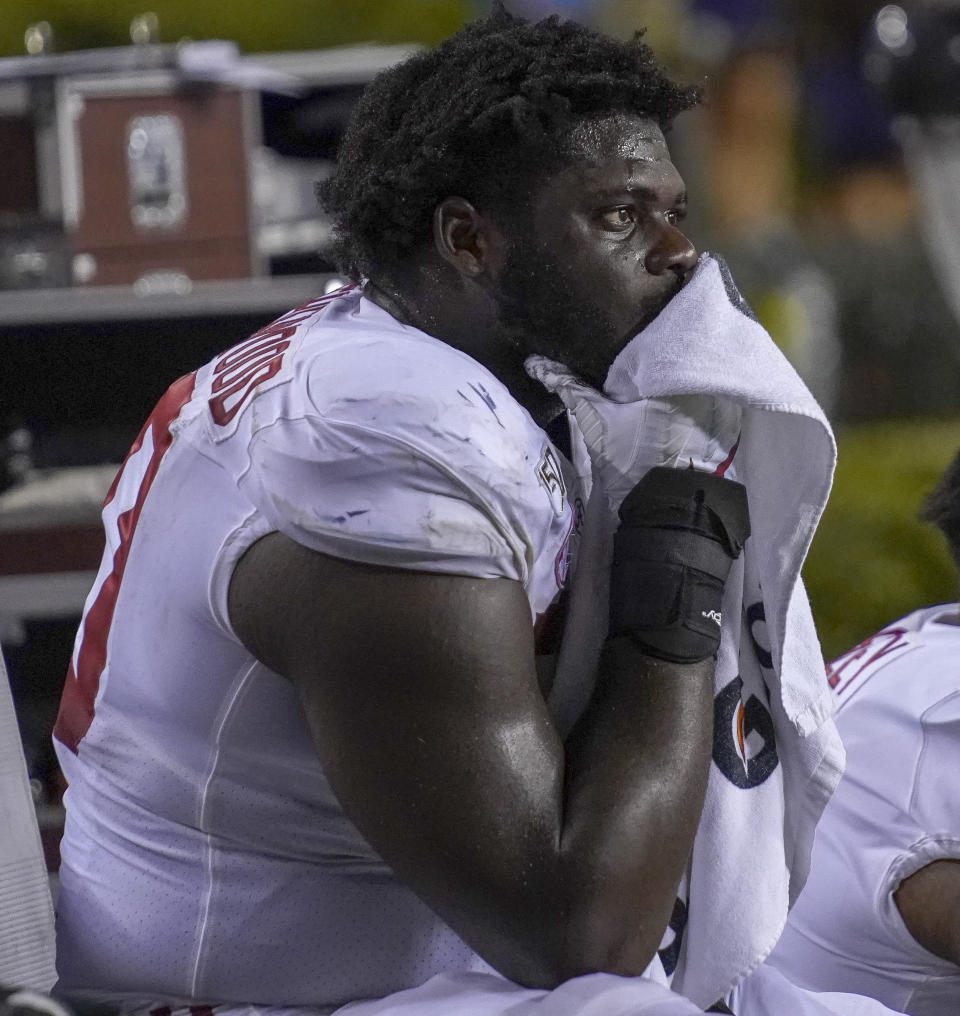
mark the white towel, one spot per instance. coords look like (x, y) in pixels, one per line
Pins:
(26, 910)
(777, 756)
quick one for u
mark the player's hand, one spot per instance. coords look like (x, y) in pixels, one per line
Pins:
(625, 440)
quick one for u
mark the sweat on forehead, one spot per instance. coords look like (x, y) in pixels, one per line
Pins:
(627, 135)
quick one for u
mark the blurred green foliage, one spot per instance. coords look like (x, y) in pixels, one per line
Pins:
(255, 26)
(871, 561)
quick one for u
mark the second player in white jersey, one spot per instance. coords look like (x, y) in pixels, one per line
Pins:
(896, 811)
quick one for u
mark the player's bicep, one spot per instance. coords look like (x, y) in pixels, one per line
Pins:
(929, 903)
(422, 698)
(929, 899)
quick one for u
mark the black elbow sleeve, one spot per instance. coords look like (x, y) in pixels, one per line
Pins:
(680, 531)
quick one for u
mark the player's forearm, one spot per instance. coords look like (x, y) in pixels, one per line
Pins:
(637, 768)
(598, 891)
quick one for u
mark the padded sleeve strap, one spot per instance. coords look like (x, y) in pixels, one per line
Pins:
(680, 532)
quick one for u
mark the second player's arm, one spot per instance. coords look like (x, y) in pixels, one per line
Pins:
(421, 694)
(929, 903)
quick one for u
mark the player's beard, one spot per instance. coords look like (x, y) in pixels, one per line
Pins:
(544, 309)
(542, 312)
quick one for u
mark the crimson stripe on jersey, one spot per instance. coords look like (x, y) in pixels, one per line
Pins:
(82, 684)
(721, 470)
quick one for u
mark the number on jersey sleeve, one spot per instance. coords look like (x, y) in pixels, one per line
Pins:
(844, 671)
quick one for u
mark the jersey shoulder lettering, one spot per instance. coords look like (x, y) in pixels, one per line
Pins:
(233, 377)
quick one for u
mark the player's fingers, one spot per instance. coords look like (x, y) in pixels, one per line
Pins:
(554, 376)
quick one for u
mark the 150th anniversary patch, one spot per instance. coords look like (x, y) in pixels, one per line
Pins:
(551, 477)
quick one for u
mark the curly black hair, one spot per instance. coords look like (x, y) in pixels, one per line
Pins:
(941, 507)
(477, 117)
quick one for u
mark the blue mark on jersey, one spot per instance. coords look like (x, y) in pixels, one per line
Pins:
(487, 399)
(340, 519)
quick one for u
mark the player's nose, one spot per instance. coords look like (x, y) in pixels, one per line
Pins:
(673, 252)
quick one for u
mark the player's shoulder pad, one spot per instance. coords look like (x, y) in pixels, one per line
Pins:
(416, 390)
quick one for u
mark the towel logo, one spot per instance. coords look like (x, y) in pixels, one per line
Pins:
(551, 477)
(744, 743)
(757, 627)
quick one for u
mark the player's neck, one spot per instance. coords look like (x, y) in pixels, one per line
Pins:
(390, 301)
(470, 326)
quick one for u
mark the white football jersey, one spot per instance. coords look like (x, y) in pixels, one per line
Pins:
(897, 809)
(205, 855)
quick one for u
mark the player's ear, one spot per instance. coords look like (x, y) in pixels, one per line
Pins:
(464, 237)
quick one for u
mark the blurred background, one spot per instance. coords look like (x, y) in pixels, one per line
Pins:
(156, 205)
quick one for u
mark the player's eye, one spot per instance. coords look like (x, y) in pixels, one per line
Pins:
(618, 218)
(676, 216)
